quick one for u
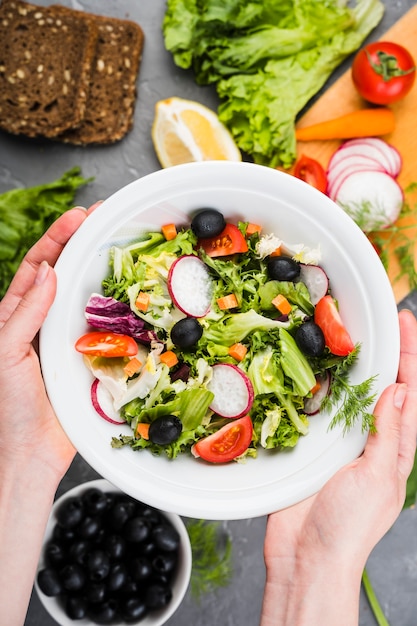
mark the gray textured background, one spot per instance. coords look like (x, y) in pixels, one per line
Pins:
(393, 564)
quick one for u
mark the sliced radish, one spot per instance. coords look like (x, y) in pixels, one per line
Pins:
(354, 162)
(190, 285)
(391, 155)
(103, 403)
(312, 405)
(315, 279)
(335, 184)
(358, 150)
(373, 199)
(232, 389)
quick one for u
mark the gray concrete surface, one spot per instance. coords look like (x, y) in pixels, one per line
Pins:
(393, 564)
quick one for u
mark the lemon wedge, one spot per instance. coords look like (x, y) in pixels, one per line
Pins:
(185, 131)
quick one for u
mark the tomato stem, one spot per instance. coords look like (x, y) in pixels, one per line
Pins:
(388, 66)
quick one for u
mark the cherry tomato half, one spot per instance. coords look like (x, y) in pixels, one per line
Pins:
(383, 72)
(336, 336)
(312, 172)
(229, 241)
(227, 443)
(100, 343)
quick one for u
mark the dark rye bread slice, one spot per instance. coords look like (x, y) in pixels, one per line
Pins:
(45, 63)
(112, 90)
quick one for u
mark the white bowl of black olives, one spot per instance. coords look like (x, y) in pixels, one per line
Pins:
(109, 559)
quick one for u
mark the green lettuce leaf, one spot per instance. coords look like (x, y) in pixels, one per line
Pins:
(25, 214)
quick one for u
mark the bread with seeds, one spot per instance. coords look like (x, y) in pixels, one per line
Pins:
(112, 91)
(46, 56)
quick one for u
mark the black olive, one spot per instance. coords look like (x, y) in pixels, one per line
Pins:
(49, 582)
(164, 563)
(165, 429)
(166, 538)
(136, 530)
(208, 223)
(63, 535)
(98, 564)
(157, 596)
(118, 515)
(95, 592)
(76, 607)
(95, 501)
(186, 332)
(73, 577)
(133, 609)
(117, 577)
(283, 268)
(89, 527)
(310, 339)
(55, 553)
(70, 513)
(105, 612)
(140, 568)
(115, 547)
(79, 551)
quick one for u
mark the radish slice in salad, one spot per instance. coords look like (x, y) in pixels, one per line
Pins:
(312, 405)
(315, 279)
(190, 285)
(232, 389)
(372, 199)
(102, 401)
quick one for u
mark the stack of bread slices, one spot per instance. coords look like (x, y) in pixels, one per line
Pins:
(67, 75)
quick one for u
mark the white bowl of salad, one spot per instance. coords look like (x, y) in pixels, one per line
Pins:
(219, 337)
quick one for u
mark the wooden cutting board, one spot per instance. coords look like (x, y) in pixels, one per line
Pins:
(342, 97)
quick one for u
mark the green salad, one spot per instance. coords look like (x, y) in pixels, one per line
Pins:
(218, 340)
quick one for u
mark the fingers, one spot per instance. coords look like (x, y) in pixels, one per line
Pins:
(408, 358)
(31, 311)
(48, 248)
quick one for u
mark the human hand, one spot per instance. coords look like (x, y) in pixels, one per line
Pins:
(28, 426)
(332, 533)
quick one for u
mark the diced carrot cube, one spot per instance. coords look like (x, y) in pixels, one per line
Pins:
(252, 228)
(142, 430)
(277, 252)
(132, 367)
(281, 303)
(238, 351)
(316, 387)
(169, 358)
(169, 231)
(142, 301)
(227, 302)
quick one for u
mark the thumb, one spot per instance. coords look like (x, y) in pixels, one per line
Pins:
(29, 315)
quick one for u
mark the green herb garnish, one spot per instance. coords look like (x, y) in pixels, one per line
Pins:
(355, 400)
(212, 552)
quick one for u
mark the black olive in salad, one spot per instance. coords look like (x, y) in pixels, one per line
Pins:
(186, 332)
(123, 571)
(310, 339)
(283, 268)
(208, 223)
(165, 429)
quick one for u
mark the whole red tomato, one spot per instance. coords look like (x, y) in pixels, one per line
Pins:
(383, 72)
(311, 172)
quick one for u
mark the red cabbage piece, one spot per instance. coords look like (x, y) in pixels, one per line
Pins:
(107, 313)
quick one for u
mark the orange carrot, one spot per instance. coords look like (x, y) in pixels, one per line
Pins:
(169, 231)
(360, 123)
(276, 252)
(316, 387)
(132, 367)
(142, 430)
(281, 303)
(227, 302)
(142, 301)
(252, 228)
(238, 351)
(169, 358)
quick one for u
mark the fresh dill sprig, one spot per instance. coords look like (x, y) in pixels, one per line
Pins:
(353, 401)
(396, 239)
(212, 557)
